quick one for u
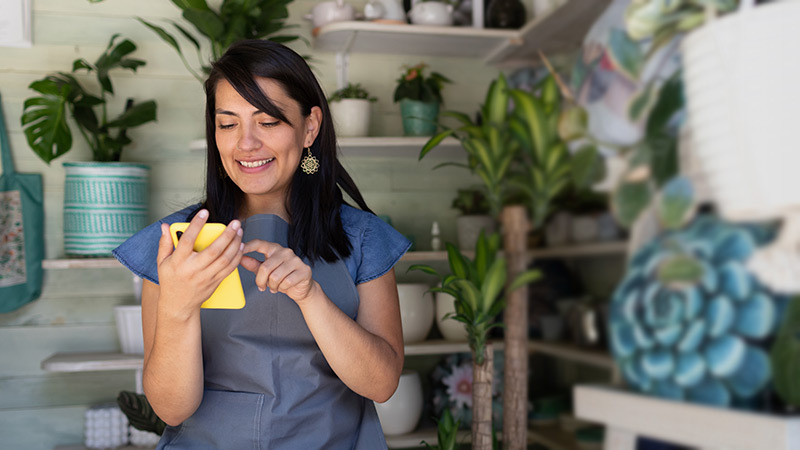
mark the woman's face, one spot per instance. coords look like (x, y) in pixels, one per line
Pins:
(260, 153)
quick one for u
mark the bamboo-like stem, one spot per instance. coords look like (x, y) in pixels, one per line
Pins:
(515, 374)
(482, 401)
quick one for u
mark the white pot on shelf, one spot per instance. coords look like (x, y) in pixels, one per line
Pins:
(416, 311)
(468, 228)
(452, 330)
(401, 413)
(129, 328)
(351, 117)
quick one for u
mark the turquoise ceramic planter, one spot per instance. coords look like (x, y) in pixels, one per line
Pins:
(104, 204)
(419, 118)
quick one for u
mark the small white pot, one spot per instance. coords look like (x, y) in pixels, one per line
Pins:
(452, 330)
(416, 311)
(129, 328)
(431, 13)
(468, 228)
(351, 117)
(400, 414)
(328, 12)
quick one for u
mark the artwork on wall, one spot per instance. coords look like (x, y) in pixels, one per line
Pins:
(15, 23)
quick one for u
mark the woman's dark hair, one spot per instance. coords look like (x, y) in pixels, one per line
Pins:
(314, 201)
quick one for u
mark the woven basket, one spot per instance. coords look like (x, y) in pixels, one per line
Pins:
(741, 77)
(104, 204)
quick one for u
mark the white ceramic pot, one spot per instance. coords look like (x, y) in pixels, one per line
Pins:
(351, 117)
(431, 13)
(329, 12)
(468, 228)
(400, 414)
(416, 311)
(452, 330)
(385, 10)
(743, 101)
(559, 230)
(129, 328)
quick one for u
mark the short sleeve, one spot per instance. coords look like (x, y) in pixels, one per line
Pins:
(376, 245)
(139, 253)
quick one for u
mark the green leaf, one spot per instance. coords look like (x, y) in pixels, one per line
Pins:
(137, 115)
(482, 256)
(469, 294)
(530, 111)
(112, 58)
(496, 104)
(670, 102)
(588, 167)
(166, 37)
(434, 141)
(423, 268)
(625, 53)
(461, 117)
(525, 278)
(551, 96)
(207, 23)
(785, 355)
(573, 123)
(680, 269)
(186, 34)
(642, 101)
(676, 203)
(493, 284)
(139, 412)
(458, 264)
(82, 64)
(44, 118)
(193, 4)
(629, 200)
(454, 164)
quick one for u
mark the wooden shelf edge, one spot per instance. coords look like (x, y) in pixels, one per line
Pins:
(571, 352)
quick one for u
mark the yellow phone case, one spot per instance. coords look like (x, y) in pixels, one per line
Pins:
(229, 294)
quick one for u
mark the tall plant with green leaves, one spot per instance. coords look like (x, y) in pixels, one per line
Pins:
(234, 21)
(45, 118)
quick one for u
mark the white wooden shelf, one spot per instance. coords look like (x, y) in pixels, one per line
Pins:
(627, 415)
(88, 362)
(575, 251)
(573, 353)
(560, 30)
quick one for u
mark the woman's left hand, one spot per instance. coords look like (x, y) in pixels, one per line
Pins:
(282, 270)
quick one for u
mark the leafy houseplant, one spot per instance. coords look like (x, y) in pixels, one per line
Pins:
(350, 110)
(139, 412)
(234, 21)
(477, 286)
(104, 201)
(420, 97)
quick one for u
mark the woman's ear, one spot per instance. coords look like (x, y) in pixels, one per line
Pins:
(313, 123)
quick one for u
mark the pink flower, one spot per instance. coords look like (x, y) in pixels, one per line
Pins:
(459, 385)
(412, 73)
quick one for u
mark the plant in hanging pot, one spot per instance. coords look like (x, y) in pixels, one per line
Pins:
(420, 97)
(474, 217)
(350, 110)
(105, 201)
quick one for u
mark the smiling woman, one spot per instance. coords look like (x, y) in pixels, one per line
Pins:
(320, 330)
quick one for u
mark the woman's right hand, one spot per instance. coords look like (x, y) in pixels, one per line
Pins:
(188, 278)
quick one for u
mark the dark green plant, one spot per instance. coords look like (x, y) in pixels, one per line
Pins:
(785, 356)
(44, 117)
(139, 412)
(354, 91)
(447, 432)
(414, 85)
(234, 21)
(471, 202)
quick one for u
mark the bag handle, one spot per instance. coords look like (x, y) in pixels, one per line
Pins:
(5, 148)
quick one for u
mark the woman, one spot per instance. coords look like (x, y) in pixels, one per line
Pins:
(319, 338)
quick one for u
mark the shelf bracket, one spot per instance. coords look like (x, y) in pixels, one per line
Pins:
(343, 61)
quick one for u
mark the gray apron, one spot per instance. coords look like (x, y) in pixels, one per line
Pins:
(267, 384)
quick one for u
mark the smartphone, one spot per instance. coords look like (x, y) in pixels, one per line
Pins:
(229, 293)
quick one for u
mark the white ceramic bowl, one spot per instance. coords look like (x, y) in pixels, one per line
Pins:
(416, 311)
(400, 414)
(452, 330)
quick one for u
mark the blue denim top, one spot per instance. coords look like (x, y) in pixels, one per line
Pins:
(376, 245)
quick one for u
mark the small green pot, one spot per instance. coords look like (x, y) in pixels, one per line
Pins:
(104, 204)
(419, 118)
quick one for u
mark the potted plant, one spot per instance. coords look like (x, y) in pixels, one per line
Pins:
(105, 201)
(474, 217)
(234, 21)
(420, 97)
(350, 110)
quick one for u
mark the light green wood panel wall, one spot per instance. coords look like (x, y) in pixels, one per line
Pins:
(40, 410)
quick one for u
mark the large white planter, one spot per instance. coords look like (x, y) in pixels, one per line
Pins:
(351, 117)
(400, 414)
(452, 330)
(129, 328)
(104, 205)
(741, 77)
(416, 311)
(468, 228)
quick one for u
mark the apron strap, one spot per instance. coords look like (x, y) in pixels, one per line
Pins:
(5, 148)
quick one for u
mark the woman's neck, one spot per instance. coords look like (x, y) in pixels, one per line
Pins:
(255, 206)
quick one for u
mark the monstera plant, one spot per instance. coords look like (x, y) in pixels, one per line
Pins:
(690, 322)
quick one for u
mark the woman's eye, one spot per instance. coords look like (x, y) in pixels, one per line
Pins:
(225, 126)
(269, 124)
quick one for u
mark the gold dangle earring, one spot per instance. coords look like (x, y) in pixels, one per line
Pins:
(310, 164)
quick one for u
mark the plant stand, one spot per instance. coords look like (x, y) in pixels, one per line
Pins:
(627, 415)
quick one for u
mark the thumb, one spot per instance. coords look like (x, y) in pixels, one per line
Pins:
(165, 246)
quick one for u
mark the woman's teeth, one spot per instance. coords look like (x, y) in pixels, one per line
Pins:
(253, 164)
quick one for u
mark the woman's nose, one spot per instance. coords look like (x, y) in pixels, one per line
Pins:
(248, 140)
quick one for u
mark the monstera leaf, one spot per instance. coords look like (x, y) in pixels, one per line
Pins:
(44, 118)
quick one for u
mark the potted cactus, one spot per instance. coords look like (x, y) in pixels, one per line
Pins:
(350, 110)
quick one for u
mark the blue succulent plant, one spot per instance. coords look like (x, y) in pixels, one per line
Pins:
(702, 340)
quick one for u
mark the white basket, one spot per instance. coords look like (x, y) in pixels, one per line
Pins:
(129, 328)
(742, 76)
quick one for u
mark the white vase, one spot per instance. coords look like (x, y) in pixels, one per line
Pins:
(400, 414)
(743, 101)
(416, 311)
(452, 330)
(351, 117)
(129, 328)
(468, 228)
